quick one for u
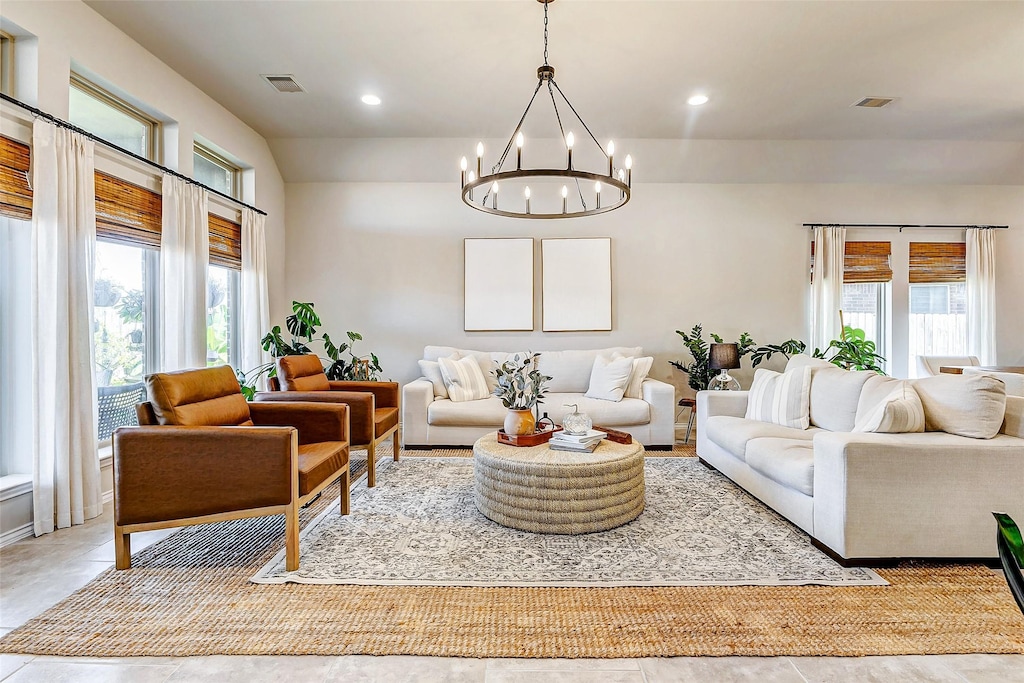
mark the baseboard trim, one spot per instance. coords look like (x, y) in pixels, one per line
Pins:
(16, 534)
(893, 561)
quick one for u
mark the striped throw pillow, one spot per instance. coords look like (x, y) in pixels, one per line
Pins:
(899, 412)
(463, 379)
(781, 398)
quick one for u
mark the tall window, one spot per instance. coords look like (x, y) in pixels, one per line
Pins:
(216, 172)
(97, 111)
(6, 64)
(938, 315)
(867, 274)
(222, 309)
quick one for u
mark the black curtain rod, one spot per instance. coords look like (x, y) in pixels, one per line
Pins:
(64, 124)
(904, 225)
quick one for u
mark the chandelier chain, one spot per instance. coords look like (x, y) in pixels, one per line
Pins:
(545, 34)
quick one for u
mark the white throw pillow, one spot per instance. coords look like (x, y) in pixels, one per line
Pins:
(641, 366)
(899, 412)
(966, 405)
(463, 379)
(432, 371)
(608, 378)
(781, 398)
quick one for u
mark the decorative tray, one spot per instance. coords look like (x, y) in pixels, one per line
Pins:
(535, 439)
(615, 435)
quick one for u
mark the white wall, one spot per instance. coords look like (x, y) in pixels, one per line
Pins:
(62, 34)
(386, 260)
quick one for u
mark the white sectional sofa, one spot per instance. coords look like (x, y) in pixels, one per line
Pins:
(430, 420)
(867, 498)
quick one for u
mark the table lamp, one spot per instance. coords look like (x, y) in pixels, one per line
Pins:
(724, 357)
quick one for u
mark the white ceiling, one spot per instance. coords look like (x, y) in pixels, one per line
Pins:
(465, 69)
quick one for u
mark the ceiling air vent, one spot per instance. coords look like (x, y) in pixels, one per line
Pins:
(283, 82)
(874, 102)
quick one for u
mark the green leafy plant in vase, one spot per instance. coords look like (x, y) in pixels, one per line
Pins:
(520, 387)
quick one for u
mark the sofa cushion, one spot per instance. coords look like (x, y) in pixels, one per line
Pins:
(734, 433)
(789, 462)
(487, 412)
(608, 378)
(781, 398)
(1014, 381)
(570, 370)
(835, 393)
(899, 412)
(628, 411)
(966, 405)
(463, 379)
(485, 359)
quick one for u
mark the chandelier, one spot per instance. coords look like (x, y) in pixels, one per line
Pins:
(591, 193)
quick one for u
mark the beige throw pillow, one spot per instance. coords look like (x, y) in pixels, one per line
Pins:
(463, 379)
(641, 367)
(781, 398)
(608, 378)
(966, 405)
(899, 412)
(432, 371)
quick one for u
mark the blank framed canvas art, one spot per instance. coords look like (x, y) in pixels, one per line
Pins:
(577, 289)
(499, 284)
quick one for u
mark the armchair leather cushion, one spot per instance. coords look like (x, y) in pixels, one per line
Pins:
(302, 373)
(319, 461)
(195, 398)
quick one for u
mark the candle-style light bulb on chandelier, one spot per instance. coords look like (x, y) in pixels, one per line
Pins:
(587, 199)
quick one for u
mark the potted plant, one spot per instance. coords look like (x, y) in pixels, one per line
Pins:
(699, 370)
(520, 388)
(852, 351)
(302, 324)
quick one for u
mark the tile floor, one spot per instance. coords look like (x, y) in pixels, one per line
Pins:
(37, 573)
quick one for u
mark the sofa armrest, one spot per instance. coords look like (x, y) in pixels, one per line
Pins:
(164, 473)
(385, 393)
(927, 494)
(416, 399)
(360, 408)
(661, 396)
(315, 422)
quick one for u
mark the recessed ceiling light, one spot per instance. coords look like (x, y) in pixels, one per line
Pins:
(696, 100)
(371, 100)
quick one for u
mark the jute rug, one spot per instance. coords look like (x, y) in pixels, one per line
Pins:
(420, 526)
(191, 595)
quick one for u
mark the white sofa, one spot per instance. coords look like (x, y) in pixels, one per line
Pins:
(430, 421)
(868, 498)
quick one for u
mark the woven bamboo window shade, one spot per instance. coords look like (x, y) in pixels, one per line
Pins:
(932, 262)
(225, 243)
(127, 213)
(864, 262)
(15, 188)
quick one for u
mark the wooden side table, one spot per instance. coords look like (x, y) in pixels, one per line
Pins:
(690, 403)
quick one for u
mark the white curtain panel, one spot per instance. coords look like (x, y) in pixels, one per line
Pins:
(981, 294)
(184, 257)
(66, 470)
(255, 299)
(827, 286)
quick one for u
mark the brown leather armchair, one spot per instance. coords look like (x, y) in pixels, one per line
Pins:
(202, 454)
(373, 406)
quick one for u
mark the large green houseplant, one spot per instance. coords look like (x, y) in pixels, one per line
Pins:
(302, 326)
(852, 351)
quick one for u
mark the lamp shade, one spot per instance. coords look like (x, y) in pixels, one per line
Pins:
(724, 357)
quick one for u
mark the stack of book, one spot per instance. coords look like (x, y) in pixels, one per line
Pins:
(578, 443)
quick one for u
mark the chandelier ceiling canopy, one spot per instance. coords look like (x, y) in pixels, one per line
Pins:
(583, 193)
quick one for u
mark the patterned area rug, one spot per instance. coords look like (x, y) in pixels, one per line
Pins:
(420, 527)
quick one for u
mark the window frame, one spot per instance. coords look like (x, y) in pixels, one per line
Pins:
(7, 71)
(234, 172)
(84, 85)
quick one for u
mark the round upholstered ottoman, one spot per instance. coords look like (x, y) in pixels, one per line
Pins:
(557, 492)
